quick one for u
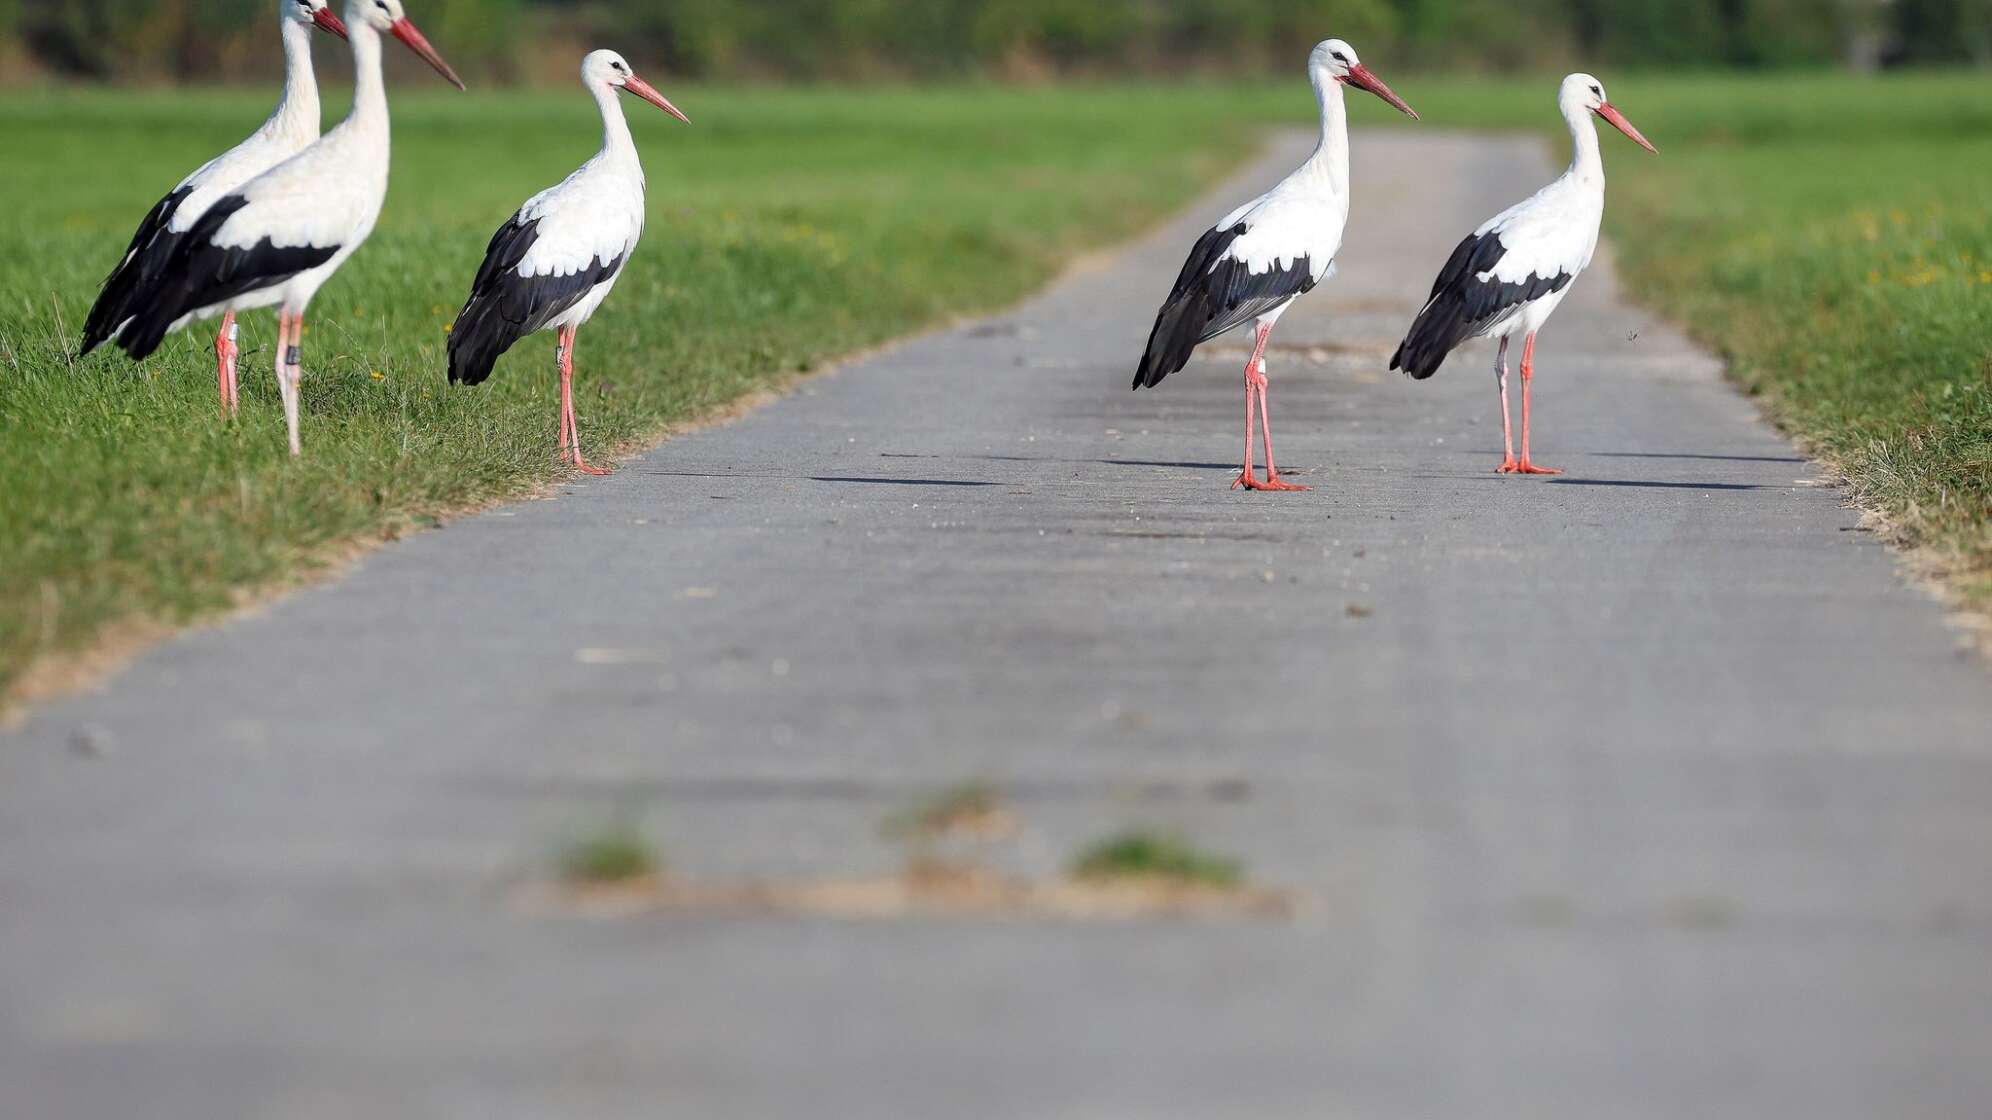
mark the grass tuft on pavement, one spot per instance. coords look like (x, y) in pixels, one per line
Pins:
(972, 808)
(615, 854)
(1141, 854)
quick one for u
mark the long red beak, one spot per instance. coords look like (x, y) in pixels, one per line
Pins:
(413, 39)
(1617, 120)
(649, 93)
(1361, 78)
(328, 22)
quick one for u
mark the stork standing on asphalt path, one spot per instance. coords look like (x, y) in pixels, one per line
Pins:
(554, 262)
(1251, 266)
(1508, 277)
(289, 131)
(278, 238)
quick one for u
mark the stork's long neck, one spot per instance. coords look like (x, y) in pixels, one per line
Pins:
(1331, 157)
(297, 112)
(368, 117)
(618, 146)
(1587, 164)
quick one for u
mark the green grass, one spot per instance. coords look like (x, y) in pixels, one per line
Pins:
(969, 807)
(785, 227)
(614, 854)
(1142, 854)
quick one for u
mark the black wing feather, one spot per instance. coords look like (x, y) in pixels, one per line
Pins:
(505, 307)
(144, 259)
(1213, 294)
(1462, 305)
(201, 274)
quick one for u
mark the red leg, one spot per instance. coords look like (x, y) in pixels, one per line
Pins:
(570, 428)
(560, 364)
(1266, 426)
(1247, 477)
(224, 363)
(1508, 463)
(1528, 375)
(290, 339)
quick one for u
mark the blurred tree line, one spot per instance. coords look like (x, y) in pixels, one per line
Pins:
(912, 39)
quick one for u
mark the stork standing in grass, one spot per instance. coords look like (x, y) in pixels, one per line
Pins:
(1509, 275)
(1251, 266)
(280, 236)
(289, 131)
(554, 262)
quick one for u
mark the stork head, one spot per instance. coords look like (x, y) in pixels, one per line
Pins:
(1336, 61)
(609, 69)
(1581, 93)
(311, 13)
(387, 18)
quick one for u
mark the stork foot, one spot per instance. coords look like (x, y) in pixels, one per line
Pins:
(1523, 467)
(1247, 482)
(574, 459)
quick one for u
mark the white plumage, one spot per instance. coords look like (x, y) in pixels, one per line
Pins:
(1509, 275)
(550, 266)
(288, 131)
(276, 239)
(1254, 263)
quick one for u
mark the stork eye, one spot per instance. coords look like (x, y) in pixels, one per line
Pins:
(1339, 56)
(1599, 92)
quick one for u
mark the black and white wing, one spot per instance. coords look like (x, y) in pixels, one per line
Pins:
(287, 221)
(1219, 289)
(151, 247)
(166, 225)
(1528, 253)
(212, 263)
(550, 260)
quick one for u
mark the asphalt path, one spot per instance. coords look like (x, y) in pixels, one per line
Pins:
(1650, 790)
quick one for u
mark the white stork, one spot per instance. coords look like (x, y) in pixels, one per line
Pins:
(275, 240)
(554, 261)
(1252, 265)
(1508, 277)
(289, 131)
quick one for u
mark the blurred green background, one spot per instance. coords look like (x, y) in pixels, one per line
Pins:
(899, 40)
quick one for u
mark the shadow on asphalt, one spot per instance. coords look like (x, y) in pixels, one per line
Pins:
(1644, 485)
(1712, 458)
(1231, 466)
(900, 481)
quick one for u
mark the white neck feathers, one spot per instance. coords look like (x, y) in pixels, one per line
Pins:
(618, 146)
(296, 116)
(1587, 164)
(369, 113)
(1331, 157)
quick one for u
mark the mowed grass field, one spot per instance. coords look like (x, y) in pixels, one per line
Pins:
(785, 227)
(1830, 235)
